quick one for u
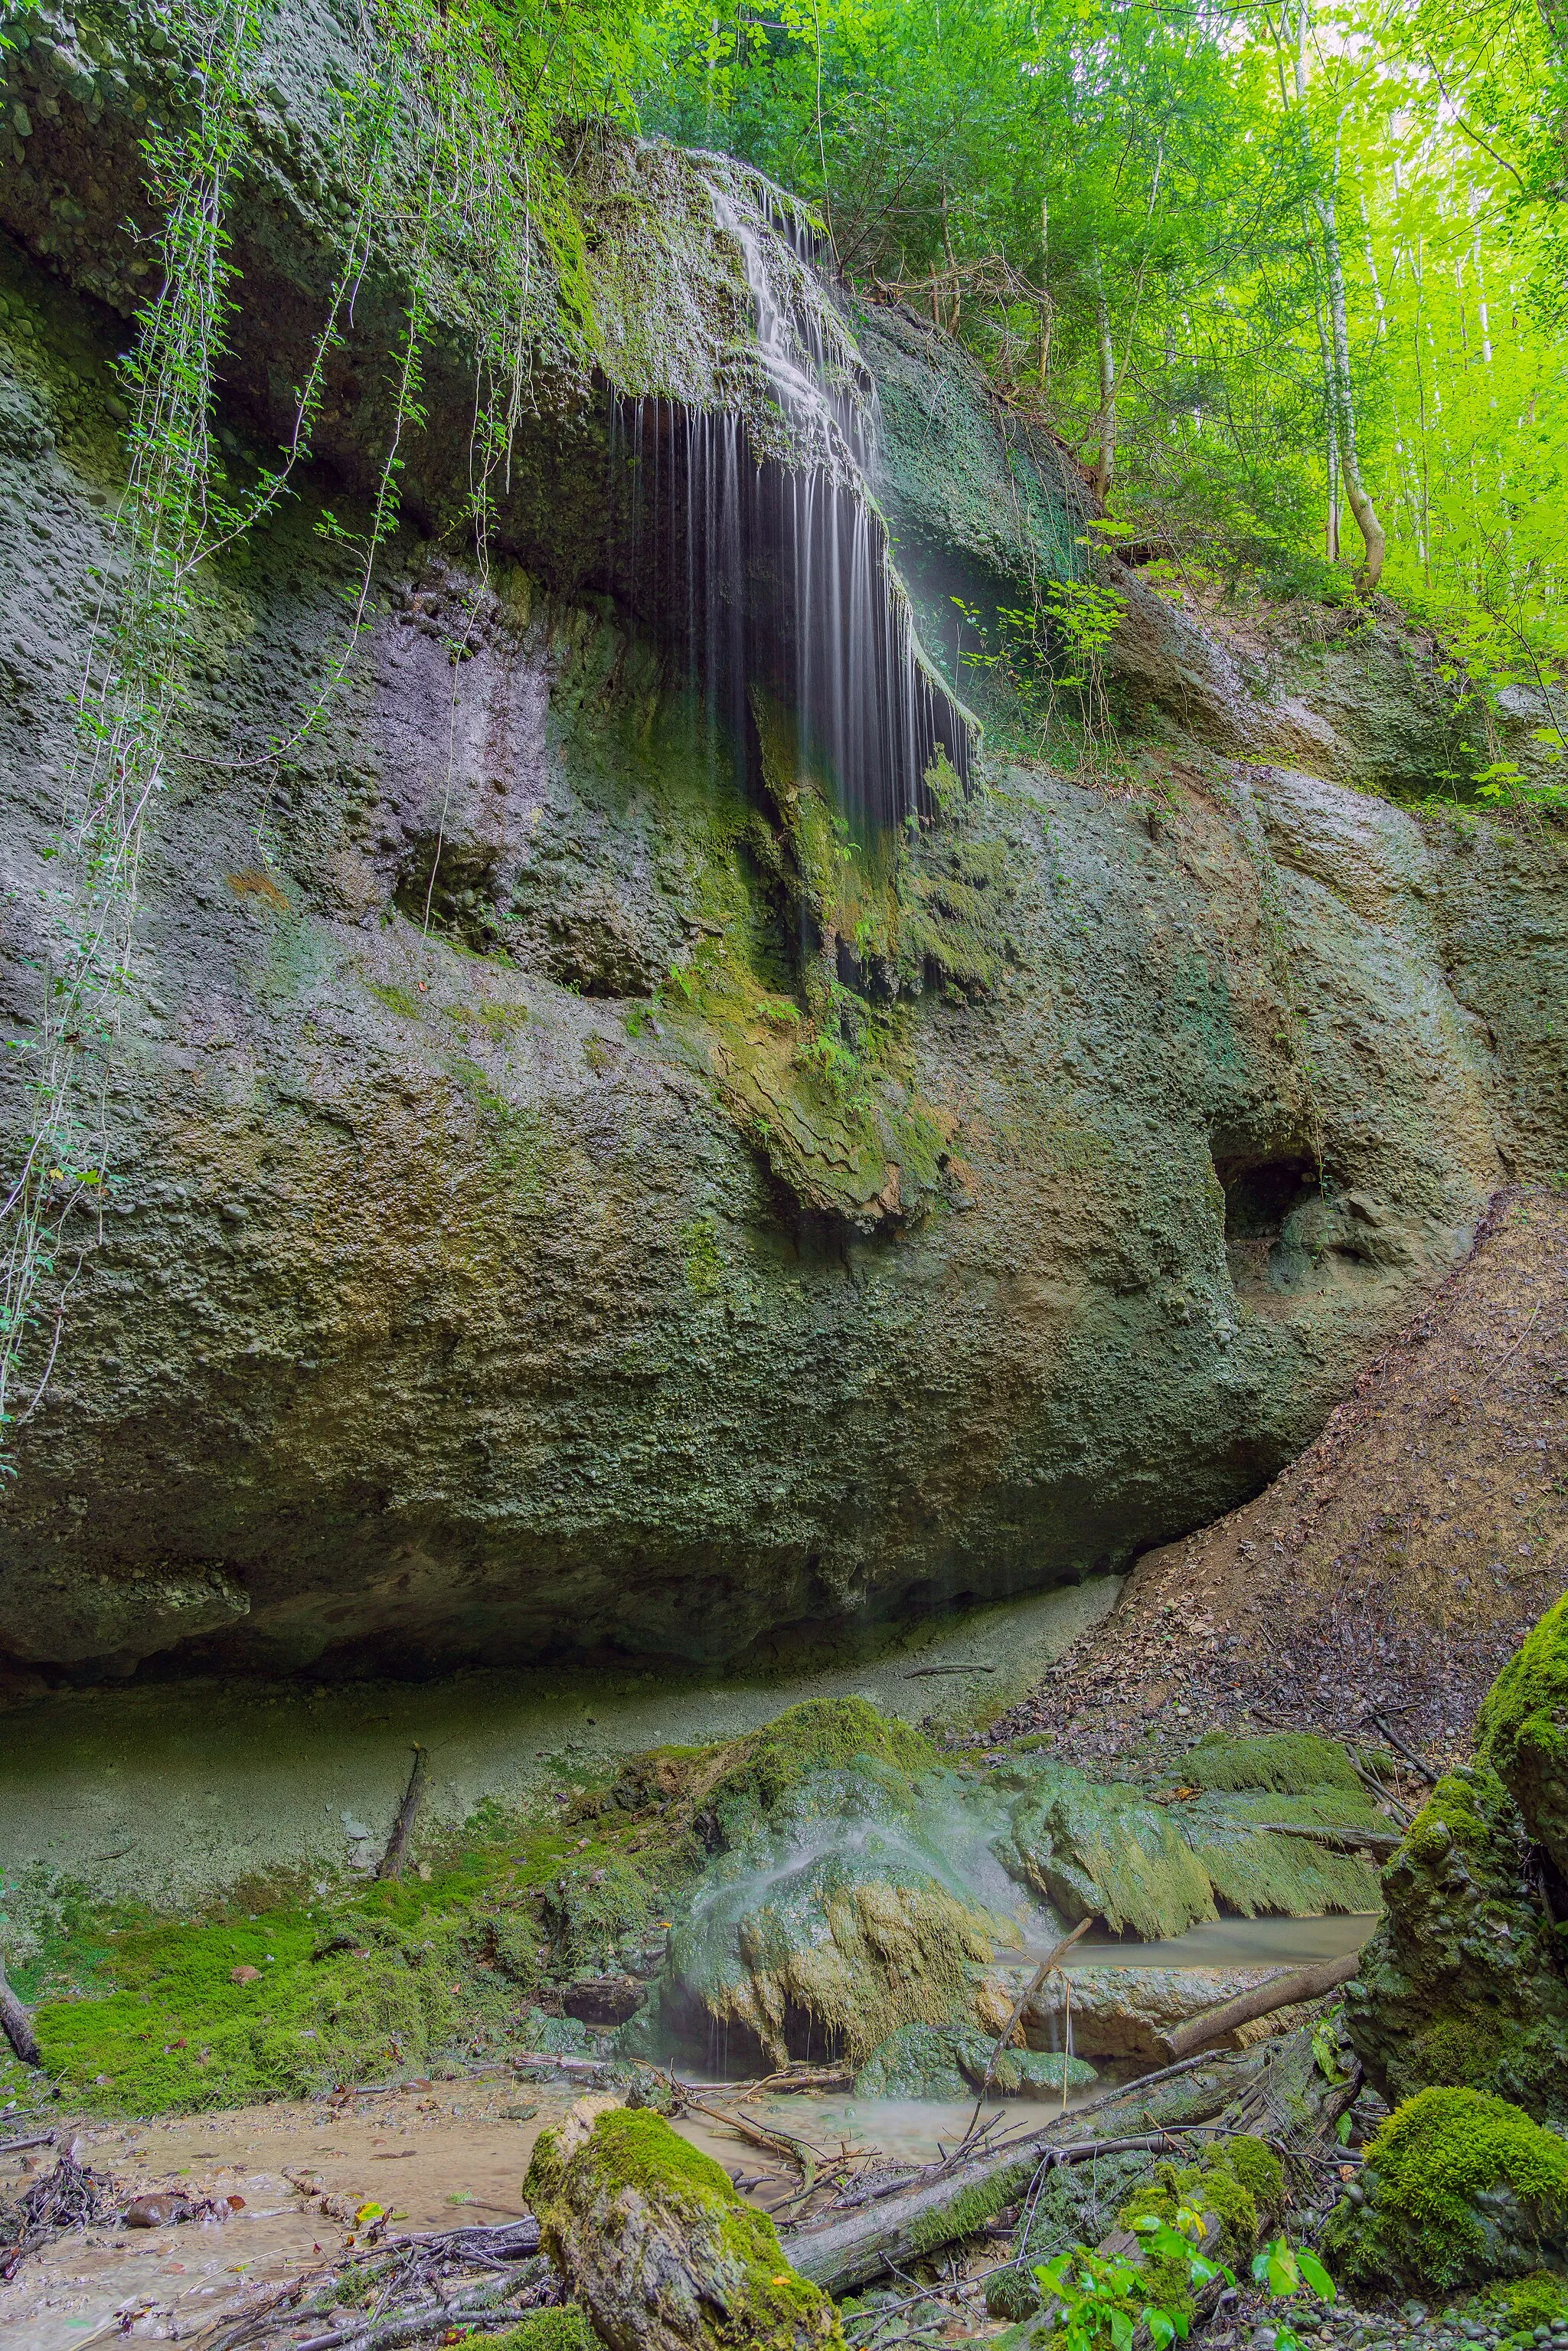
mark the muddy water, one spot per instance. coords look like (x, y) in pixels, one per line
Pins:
(170, 1790)
(436, 2155)
(1232, 1943)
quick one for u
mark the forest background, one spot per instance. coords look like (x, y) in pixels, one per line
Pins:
(1291, 280)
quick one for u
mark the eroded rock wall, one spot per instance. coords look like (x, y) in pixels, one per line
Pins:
(473, 1287)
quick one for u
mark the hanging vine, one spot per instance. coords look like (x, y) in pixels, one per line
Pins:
(460, 191)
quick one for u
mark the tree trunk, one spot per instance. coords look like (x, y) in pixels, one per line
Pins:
(1106, 468)
(1355, 491)
(1279, 1991)
(396, 1854)
(1341, 402)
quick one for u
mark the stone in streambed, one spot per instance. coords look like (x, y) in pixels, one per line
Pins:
(656, 2245)
(923, 2061)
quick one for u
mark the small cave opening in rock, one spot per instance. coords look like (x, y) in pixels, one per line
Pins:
(449, 886)
(1260, 1197)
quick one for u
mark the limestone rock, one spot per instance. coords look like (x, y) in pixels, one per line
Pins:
(658, 2247)
(1125, 2011)
(487, 1190)
(923, 2060)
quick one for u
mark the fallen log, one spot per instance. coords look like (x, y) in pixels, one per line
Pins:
(391, 1861)
(17, 2025)
(1279, 1991)
(841, 2254)
(953, 2199)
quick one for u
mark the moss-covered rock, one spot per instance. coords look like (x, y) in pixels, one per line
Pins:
(657, 2245)
(1523, 1732)
(1287, 1762)
(822, 1735)
(1462, 1983)
(1457, 2188)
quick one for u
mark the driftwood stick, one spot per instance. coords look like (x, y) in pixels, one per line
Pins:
(20, 2146)
(1415, 1763)
(17, 2025)
(1279, 1991)
(396, 1854)
(1373, 1841)
(1031, 1992)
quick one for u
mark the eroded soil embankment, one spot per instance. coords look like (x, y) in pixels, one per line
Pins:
(1394, 1566)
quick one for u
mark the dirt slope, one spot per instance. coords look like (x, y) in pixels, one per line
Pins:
(1393, 1566)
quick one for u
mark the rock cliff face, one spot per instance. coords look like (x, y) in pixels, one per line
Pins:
(570, 1188)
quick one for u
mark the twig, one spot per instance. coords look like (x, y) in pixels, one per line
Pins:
(1409, 1753)
(920, 1673)
(20, 2146)
(1022, 2001)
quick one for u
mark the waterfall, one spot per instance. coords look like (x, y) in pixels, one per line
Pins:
(756, 552)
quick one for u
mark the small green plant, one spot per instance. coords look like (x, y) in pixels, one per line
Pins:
(1101, 2300)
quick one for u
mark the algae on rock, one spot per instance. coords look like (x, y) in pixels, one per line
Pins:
(860, 1887)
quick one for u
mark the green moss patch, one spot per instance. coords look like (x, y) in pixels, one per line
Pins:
(141, 2014)
(1290, 1761)
(1433, 2217)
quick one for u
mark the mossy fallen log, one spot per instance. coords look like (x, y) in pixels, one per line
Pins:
(1278, 2092)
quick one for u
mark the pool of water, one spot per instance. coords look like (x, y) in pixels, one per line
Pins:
(1231, 1943)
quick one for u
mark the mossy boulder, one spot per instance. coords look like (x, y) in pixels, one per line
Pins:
(1523, 1732)
(1462, 1983)
(659, 2248)
(825, 1734)
(1458, 2187)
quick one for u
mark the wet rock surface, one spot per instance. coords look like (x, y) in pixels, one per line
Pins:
(462, 1266)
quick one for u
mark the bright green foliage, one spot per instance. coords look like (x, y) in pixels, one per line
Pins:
(1427, 2170)
(1135, 219)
